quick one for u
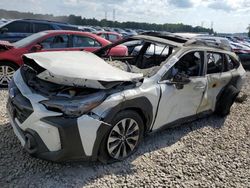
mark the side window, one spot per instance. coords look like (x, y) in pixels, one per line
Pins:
(215, 63)
(103, 35)
(231, 63)
(82, 41)
(191, 64)
(112, 37)
(59, 41)
(41, 27)
(19, 27)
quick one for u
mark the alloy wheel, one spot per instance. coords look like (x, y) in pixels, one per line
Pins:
(6, 74)
(123, 138)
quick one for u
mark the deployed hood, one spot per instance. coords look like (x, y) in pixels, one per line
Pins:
(79, 69)
(5, 45)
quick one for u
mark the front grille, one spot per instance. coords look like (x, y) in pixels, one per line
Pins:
(21, 107)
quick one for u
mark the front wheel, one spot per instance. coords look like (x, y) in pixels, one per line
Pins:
(124, 136)
(7, 71)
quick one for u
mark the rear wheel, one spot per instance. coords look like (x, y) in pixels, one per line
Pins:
(7, 71)
(123, 138)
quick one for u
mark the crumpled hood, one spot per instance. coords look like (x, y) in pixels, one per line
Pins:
(79, 68)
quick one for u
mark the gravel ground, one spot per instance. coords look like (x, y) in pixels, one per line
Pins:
(212, 152)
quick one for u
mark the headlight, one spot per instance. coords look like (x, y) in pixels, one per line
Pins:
(77, 106)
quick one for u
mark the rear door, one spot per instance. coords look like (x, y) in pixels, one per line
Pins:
(59, 42)
(218, 76)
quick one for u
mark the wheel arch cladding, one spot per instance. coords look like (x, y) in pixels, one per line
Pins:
(233, 82)
(10, 62)
(141, 105)
(230, 88)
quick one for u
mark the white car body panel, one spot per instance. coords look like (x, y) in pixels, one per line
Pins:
(48, 133)
(88, 127)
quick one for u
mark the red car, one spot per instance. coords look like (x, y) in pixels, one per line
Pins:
(11, 53)
(111, 36)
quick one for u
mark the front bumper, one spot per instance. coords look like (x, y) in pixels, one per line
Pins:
(49, 135)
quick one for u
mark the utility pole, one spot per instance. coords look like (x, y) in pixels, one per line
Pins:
(106, 15)
(113, 15)
(212, 25)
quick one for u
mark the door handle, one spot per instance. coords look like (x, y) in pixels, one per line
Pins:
(199, 87)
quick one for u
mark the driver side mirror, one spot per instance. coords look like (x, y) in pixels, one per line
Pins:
(36, 48)
(178, 80)
(4, 30)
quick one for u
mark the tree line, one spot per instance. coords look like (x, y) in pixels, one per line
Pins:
(78, 20)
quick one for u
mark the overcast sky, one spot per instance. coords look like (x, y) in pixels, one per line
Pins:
(226, 15)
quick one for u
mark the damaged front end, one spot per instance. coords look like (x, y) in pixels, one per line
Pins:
(70, 95)
(61, 124)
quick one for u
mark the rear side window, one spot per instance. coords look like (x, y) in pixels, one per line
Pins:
(59, 41)
(215, 63)
(103, 35)
(112, 37)
(19, 27)
(82, 41)
(41, 27)
(231, 63)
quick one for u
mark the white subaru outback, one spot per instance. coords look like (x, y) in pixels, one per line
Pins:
(78, 105)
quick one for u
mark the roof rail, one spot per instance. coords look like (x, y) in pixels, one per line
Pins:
(46, 21)
(202, 42)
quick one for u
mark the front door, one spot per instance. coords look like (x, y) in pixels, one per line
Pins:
(177, 103)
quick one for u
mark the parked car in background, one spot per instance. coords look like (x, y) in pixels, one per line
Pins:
(15, 30)
(110, 36)
(130, 32)
(87, 29)
(62, 107)
(60, 40)
(120, 31)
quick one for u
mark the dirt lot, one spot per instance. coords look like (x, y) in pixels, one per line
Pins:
(212, 152)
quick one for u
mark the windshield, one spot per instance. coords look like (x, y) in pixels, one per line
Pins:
(28, 40)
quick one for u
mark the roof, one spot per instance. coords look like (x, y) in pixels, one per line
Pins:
(107, 32)
(70, 32)
(37, 20)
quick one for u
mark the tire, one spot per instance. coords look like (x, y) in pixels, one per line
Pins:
(117, 146)
(7, 70)
(226, 100)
